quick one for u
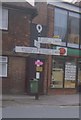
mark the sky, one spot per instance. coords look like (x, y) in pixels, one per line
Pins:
(32, 1)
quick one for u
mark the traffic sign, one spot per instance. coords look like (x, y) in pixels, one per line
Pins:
(36, 43)
(46, 40)
(22, 49)
(44, 51)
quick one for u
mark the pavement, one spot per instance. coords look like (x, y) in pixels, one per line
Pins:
(52, 100)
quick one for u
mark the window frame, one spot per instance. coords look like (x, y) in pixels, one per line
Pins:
(6, 66)
(3, 18)
(66, 42)
(64, 60)
(69, 44)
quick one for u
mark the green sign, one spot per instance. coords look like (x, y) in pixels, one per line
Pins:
(73, 52)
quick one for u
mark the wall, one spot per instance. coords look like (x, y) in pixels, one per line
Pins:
(18, 33)
(15, 82)
(41, 18)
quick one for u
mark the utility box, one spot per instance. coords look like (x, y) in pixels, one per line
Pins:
(34, 86)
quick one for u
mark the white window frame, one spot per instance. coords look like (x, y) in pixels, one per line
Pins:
(3, 60)
(3, 18)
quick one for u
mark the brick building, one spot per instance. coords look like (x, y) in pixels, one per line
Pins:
(16, 31)
(62, 72)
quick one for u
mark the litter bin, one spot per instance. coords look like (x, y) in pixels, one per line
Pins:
(34, 88)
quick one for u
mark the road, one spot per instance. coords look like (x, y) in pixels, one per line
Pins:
(40, 111)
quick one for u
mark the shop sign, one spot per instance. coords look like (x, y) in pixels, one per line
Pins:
(70, 71)
(73, 52)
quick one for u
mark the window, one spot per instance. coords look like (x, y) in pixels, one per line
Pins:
(70, 74)
(3, 66)
(60, 24)
(3, 19)
(73, 31)
(57, 73)
(63, 73)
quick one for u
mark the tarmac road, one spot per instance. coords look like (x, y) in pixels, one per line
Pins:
(56, 106)
(40, 111)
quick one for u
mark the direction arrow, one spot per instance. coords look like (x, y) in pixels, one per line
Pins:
(45, 40)
(25, 49)
(36, 43)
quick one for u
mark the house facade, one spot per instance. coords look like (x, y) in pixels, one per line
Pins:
(15, 27)
(62, 72)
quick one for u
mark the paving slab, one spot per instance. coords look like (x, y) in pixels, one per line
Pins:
(55, 100)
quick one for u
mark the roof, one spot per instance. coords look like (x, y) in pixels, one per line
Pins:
(22, 6)
(74, 4)
(67, 6)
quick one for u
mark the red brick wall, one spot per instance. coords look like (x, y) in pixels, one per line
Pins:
(61, 91)
(41, 18)
(18, 30)
(15, 82)
(18, 34)
(50, 21)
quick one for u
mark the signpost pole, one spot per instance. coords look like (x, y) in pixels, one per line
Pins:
(38, 78)
(38, 62)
